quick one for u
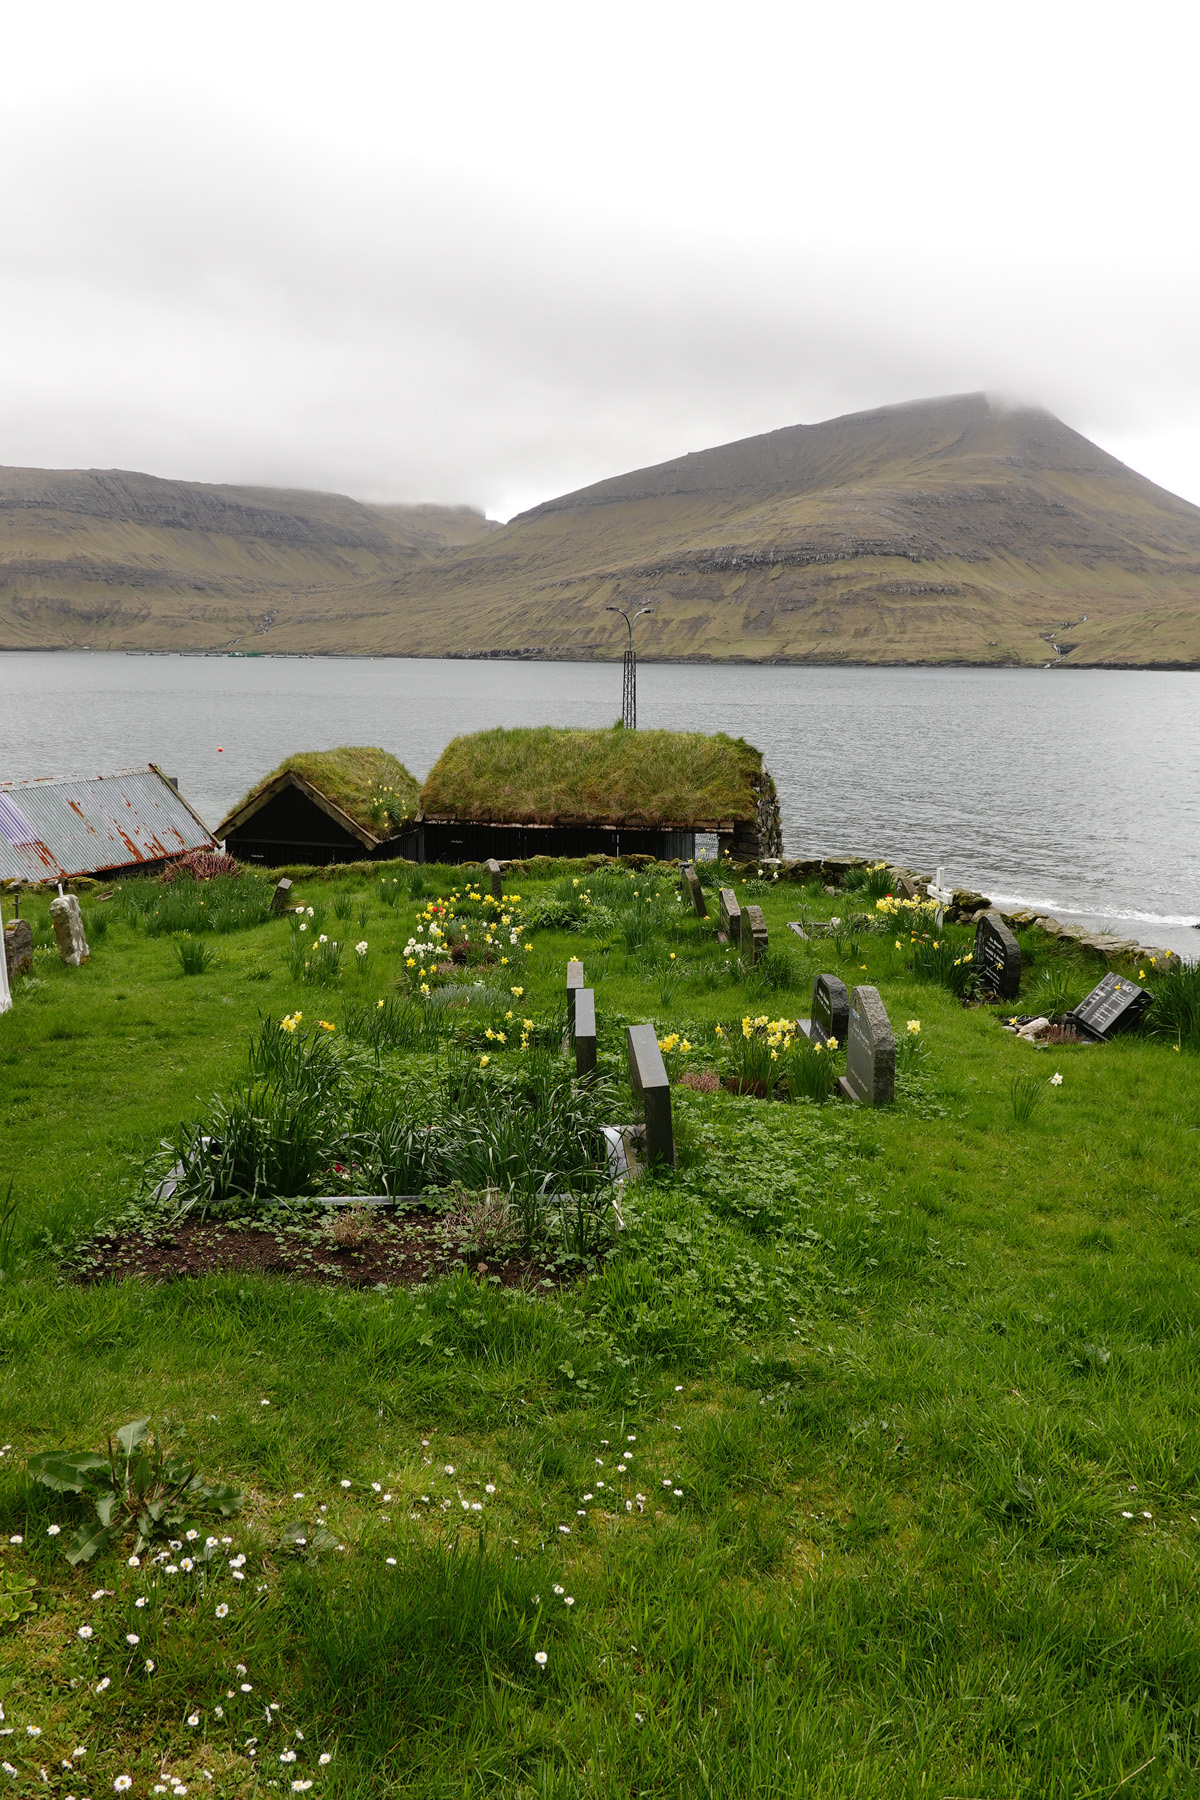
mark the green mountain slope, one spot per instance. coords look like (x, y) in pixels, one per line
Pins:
(945, 530)
(117, 560)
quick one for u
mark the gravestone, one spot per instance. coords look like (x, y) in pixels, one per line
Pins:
(496, 878)
(18, 948)
(691, 880)
(997, 957)
(648, 1077)
(731, 916)
(67, 921)
(870, 1076)
(574, 983)
(281, 898)
(754, 935)
(1114, 1004)
(830, 1012)
(585, 1032)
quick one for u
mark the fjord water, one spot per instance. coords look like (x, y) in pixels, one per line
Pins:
(1077, 791)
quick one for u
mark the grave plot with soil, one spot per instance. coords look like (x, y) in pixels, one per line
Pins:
(365, 1247)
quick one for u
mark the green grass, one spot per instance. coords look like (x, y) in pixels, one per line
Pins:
(371, 785)
(545, 774)
(903, 1374)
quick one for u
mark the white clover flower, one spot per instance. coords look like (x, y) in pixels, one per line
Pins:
(16, 1539)
(53, 1530)
(540, 1658)
(132, 1639)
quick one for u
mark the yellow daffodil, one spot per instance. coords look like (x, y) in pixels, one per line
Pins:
(484, 1061)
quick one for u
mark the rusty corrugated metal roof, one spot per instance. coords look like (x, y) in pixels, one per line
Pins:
(88, 825)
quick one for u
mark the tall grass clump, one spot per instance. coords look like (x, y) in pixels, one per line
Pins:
(193, 955)
(809, 1069)
(224, 904)
(1176, 1012)
(934, 959)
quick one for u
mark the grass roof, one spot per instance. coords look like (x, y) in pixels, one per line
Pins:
(354, 778)
(549, 776)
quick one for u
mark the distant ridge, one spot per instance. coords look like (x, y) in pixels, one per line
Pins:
(951, 530)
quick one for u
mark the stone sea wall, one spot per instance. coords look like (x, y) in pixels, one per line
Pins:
(968, 906)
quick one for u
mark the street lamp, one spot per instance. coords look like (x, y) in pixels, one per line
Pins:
(629, 681)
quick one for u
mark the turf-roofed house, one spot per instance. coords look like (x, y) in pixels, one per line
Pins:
(512, 794)
(327, 806)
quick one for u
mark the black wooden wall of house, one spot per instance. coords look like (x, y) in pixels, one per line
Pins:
(291, 828)
(454, 843)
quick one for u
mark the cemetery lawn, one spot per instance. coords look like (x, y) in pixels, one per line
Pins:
(865, 1464)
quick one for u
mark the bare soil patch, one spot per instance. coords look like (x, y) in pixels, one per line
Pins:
(403, 1250)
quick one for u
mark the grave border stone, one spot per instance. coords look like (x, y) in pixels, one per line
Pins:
(282, 895)
(1005, 961)
(688, 875)
(496, 877)
(648, 1077)
(1125, 1017)
(585, 1033)
(574, 983)
(753, 937)
(839, 1011)
(866, 1004)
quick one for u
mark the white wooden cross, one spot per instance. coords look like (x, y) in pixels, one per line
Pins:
(943, 895)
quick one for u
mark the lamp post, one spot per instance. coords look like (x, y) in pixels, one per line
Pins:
(629, 672)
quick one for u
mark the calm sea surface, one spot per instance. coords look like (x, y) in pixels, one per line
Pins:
(1079, 792)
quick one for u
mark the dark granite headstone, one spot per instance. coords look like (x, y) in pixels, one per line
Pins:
(1114, 1004)
(731, 916)
(997, 957)
(648, 1077)
(585, 1032)
(753, 935)
(281, 898)
(870, 1076)
(574, 983)
(18, 948)
(830, 1012)
(496, 878)
(691, 881)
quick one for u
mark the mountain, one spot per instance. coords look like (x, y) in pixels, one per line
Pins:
(114, 560)
(952, 530)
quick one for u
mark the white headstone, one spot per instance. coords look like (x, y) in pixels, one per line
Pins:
(67, 921)
(5, 995)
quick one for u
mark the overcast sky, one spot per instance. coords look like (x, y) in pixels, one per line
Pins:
(488, 253)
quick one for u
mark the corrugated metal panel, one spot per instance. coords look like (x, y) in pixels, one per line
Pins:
(51, 830)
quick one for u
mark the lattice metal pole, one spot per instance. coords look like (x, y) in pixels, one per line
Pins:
(629, 669)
